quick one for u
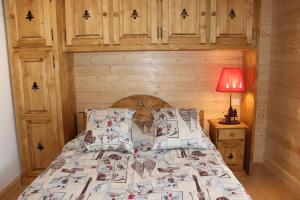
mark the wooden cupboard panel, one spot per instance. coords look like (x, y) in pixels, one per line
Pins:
(29, 22)
(35, 74)
(41, 143)
(232, 153)
(87, 22)
(184, 21)
(135, 21)
(36, 81)
(231, 19)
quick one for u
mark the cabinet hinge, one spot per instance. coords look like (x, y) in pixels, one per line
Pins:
(161, 32)
(53, 58)
(65, 35)
(158, 32)
(52, 37)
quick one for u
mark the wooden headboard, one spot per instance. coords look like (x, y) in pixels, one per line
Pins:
(142, 105)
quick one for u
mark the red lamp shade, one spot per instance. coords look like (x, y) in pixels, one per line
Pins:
(231, 80)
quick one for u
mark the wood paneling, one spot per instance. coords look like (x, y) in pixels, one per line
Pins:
(180, 78)
(248, 105)
(263, 62)
(282, 148)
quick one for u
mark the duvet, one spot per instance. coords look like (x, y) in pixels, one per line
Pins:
(176, 174)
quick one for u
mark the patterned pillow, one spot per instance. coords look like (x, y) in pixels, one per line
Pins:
(109, 129)
(142, 139)
(177, 128)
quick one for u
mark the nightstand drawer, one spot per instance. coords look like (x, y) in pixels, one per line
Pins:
(231, 134)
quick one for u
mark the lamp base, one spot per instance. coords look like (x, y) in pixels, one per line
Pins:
(231, 122)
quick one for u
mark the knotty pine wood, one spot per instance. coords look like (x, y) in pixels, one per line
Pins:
(248, 104)
(262, 78)
(282, 148)
(183, 79)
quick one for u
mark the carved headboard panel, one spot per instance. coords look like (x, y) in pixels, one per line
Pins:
(142, 104)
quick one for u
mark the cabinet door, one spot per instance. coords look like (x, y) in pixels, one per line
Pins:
(184, 21)
(87, 22)
(231, 19)
(135, 21)
(35, 105)
(29, 22)
(232, 153)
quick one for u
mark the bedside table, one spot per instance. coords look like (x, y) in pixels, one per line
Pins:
(230, 141)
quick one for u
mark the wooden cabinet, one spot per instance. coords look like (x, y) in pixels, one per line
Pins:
(231, 21)
(184, 21)
(87, 22)
(29, 22)
(230, 141)
(135, 21)
(36, 113)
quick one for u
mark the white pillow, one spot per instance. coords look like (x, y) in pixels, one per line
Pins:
(109, 129)
(177, 128)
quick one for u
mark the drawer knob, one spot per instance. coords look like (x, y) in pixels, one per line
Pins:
(105, 14)
(230, 156)
(214, 13)
(232, 134)
(40, 146)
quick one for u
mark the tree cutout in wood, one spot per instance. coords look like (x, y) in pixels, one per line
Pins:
(29, 15)
(234, 114)
(35, 87)
(86, 15)
(232, 14)
(40, 146)
(184, 14)
(230, 156)
(134, 14)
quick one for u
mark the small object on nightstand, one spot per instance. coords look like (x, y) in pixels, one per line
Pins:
(231, 80)
(230, 141)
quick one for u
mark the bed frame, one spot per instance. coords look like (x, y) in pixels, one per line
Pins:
(142, 104)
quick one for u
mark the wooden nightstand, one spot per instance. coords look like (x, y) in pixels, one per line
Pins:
(230, 141)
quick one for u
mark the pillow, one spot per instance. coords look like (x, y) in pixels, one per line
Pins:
(142, 138)
(108, 129)
(177, 128)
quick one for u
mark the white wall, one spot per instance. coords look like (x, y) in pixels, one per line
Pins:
(9, 157)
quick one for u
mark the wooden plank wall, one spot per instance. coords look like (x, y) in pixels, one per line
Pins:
(182, 78)
(282, 148)
(263, 62)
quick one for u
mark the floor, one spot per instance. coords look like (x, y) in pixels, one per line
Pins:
(262, 185)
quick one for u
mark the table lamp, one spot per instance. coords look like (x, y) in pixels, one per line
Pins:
(231, 80)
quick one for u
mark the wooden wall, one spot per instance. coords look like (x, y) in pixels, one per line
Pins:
(282, 148)
(181, 78)
(262, 82)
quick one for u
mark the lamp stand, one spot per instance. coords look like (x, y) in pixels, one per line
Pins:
(230, 117)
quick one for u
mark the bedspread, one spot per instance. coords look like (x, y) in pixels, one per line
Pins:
(153, 175)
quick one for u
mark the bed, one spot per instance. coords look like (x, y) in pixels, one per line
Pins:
(176, 174)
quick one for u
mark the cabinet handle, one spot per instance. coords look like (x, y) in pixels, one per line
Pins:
(40, 146)
(161, 32)
(214, 13)
(104, 14)
(232, 134)
(203, 13)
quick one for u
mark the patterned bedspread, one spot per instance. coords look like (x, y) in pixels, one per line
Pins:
(154, 175)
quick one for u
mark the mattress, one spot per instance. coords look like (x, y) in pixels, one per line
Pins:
(153, 175)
